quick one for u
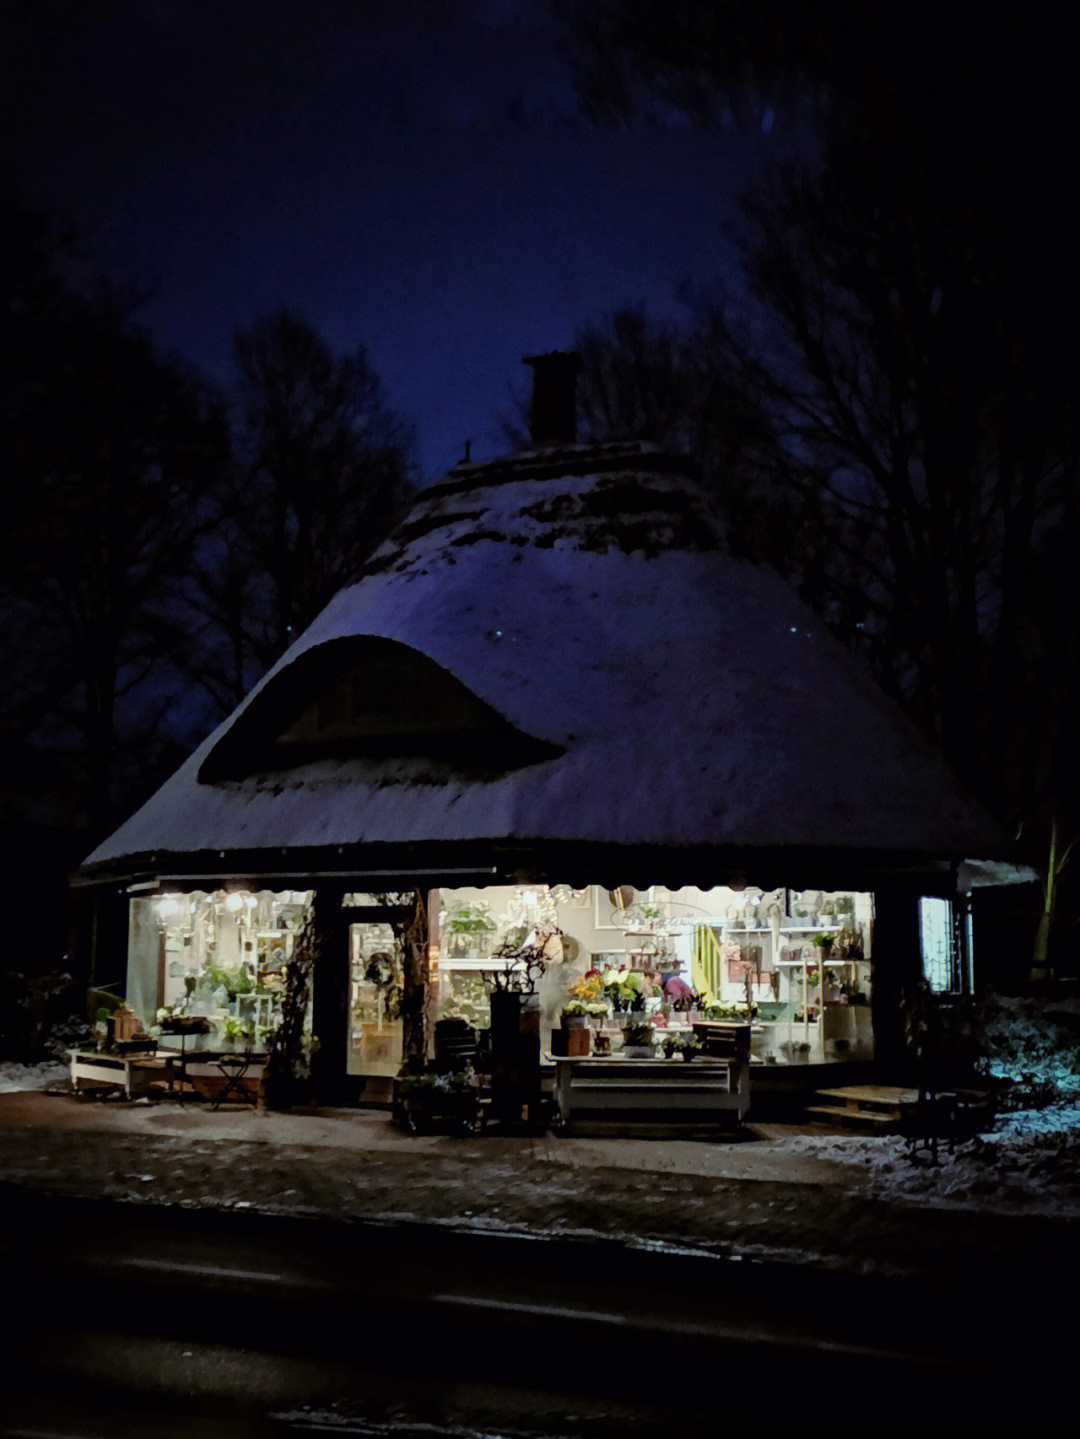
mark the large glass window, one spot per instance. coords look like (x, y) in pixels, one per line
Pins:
(218, 955)
(945, 942)
(797, 963)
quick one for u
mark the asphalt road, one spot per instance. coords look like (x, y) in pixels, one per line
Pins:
(153, 1320)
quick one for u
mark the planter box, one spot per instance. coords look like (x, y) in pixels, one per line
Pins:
(574, 1041)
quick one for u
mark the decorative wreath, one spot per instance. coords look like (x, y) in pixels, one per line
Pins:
(380, 968)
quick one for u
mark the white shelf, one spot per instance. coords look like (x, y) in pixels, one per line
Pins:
(809, 963)
(473, 962)
(784, 928)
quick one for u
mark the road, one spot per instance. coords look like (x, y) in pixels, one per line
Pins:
(155, 1320)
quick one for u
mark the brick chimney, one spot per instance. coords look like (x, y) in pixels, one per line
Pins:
(554, 398)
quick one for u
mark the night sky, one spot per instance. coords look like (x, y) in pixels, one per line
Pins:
(406, 174)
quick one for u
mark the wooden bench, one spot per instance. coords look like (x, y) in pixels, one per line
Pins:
(656, 1091)
(130, 1072)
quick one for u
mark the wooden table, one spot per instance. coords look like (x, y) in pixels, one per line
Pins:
(116, 1071)
(234, 1065)
(177, 1059)
(132, 1072)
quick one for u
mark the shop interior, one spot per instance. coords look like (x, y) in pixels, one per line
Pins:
(219, 956)
(796, 964)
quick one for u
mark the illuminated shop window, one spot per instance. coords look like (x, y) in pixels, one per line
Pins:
(941, 960)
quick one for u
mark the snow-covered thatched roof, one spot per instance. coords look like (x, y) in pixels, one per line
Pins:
(615, 678)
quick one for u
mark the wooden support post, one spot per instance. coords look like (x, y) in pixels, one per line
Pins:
(897, 968)
(330, 992)
(415, 1019)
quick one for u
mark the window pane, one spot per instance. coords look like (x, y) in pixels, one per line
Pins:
(936, 940)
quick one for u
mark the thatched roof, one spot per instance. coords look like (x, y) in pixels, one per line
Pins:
(559, 650)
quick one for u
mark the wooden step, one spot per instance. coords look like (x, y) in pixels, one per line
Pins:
(866, 1119)
(867, 1098)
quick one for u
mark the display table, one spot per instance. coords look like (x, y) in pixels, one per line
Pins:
(652, 1090)
(230, 1072)
(118, 1071)
(217, 1074)
(235, 1066)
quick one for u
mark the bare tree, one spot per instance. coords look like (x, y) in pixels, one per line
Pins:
(908, 336)
(324, 466)
(113, 454)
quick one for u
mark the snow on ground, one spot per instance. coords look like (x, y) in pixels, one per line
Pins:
(53, 1069)
(1028, 1160)
(1029, 1165)
(30, 1076)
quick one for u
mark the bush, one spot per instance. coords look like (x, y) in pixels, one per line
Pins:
(1033, 1049)
(39, 1016)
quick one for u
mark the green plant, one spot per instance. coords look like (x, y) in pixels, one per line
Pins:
(823, 941)
(625, 988)
(639, 1033)
(736, 1012)
(470, 919)
(237, 980)
(411, 1086)
(685, 1046)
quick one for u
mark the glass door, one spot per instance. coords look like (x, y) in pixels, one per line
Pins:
(375, 980)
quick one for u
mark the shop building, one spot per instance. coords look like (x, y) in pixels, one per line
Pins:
(555, 695)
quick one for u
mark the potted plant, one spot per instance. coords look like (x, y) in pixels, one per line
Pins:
(849, 944)
(238, 1033)
(735, 1013)
(626, 989)
(638, 1038)
(575, 1014)
(680, 1046)
(574, 1035)
(589, 991)
(426, 1099)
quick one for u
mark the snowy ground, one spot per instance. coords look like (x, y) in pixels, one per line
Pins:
(53, 1070)
(30, 1076)
(1027, 1162)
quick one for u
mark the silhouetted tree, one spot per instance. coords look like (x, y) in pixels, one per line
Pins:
(112, 455)
(666, 382)
(324, 466)
(909, 335)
